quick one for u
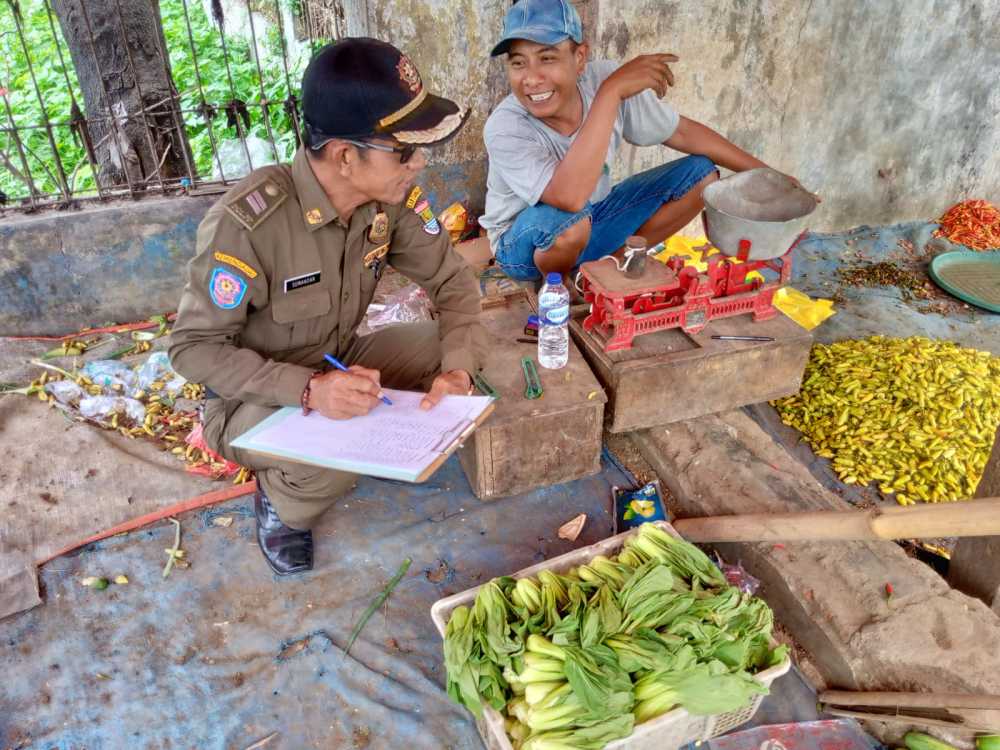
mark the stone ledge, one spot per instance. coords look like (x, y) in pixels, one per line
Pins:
(831, 596)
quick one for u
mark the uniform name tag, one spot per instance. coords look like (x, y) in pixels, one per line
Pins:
(297, 282)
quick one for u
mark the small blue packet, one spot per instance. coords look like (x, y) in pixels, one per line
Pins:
(636, 507)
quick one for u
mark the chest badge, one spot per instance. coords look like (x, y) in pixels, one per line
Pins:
(373, 257)
(313, 216)
(380, 228)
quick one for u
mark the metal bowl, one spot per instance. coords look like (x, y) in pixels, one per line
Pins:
(760, 205)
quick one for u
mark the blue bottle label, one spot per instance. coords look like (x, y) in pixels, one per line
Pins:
(557, 315)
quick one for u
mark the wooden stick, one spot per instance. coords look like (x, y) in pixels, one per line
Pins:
(966, 518)
(911, 700)
(261, 743)
(957, 726)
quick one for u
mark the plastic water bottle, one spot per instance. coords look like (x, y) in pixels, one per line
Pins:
(553, 323)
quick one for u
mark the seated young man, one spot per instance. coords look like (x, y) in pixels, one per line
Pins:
(550, 204)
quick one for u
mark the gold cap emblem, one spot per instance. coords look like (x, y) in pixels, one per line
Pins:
(408, 74)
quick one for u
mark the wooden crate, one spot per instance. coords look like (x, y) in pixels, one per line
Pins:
(526, 444)
(670, 375)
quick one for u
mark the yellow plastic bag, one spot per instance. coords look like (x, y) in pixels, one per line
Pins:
(691, 248)
(801, 308)
(804, 310)
(695, 250)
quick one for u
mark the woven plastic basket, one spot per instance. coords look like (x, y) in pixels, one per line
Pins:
(668, 732)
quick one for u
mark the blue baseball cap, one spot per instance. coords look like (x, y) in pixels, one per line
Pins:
(540, 21)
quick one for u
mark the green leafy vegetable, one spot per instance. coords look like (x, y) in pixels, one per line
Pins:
(575, 660)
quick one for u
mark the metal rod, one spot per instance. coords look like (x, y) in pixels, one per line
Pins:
(101, 118)
(174, 100)
(293, 111)
(307, 22)
(41, 104)
(201, 93)
(232, 90)
(115, 144)
(142, 101)
(30, 183)
(743, 338)
(260, 85)
(85, 137)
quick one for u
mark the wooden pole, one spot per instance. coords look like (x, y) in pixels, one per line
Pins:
(979, 517)
(911, 700)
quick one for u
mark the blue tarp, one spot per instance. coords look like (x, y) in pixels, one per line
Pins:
(222, 654)
(883, 310)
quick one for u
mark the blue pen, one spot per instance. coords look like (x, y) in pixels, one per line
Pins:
(340, 366)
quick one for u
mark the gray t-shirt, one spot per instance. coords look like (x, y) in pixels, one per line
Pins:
(524, 152)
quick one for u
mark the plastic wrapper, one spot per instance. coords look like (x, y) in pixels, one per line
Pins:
(157, 368)
(108, 373)
(455, 220)
(738, 577)
(218, 467)
(801, 308)
(66, 392)
(101, 408)
(233, 156)
(636, 507)
(408, 305)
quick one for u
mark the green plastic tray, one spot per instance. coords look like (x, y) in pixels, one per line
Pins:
(972, 277)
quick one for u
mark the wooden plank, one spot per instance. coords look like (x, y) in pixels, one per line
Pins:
(670, 375)
(563, 389)
(526, 443)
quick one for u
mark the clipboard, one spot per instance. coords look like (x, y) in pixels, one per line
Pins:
(392, 442)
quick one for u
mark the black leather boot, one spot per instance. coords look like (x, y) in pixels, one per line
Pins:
(286, 550)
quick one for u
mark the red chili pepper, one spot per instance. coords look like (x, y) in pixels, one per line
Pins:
(975, 224)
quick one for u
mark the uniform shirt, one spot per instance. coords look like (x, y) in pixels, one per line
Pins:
(278, 280)
(525, 152)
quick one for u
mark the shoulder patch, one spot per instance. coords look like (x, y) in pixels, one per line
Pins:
(235, 263)
(426, 213)
(226, 289)
(414, 196)
(258, 201)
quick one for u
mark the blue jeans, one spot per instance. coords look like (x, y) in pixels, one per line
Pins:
(626, 208)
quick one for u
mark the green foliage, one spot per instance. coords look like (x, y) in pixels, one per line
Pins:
(215, 82)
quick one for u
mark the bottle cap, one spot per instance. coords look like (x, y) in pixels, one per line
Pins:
(553, 278)
(635, 242)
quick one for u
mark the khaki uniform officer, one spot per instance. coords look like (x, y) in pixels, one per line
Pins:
(287, 263)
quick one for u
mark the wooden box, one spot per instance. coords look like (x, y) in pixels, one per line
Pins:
(670, 375)
(526, 444)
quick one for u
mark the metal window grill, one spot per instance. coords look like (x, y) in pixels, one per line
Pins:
(103, 99)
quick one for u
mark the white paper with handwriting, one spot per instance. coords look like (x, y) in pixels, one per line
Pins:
(394, 442)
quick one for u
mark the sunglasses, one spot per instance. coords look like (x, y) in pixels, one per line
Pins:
(405, 152)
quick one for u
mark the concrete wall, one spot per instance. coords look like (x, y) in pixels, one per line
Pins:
(890, 109)
(61, 271)
(449, 42)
